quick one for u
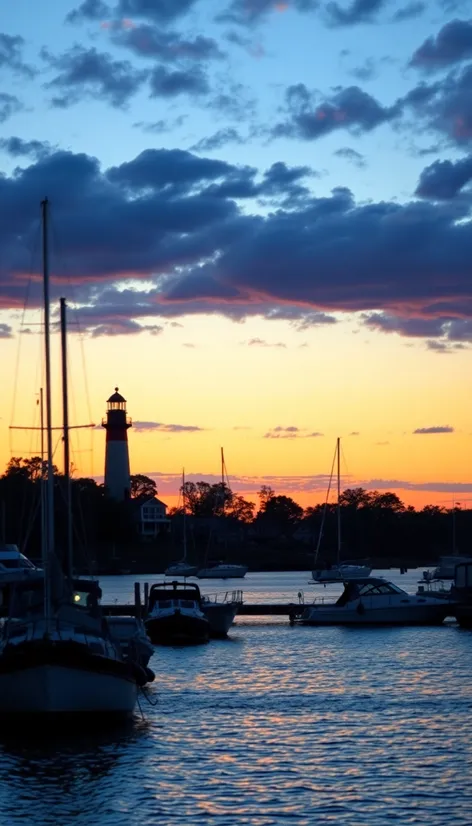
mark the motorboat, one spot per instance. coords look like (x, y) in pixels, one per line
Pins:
(447, 565)
(64, 661)
(132, 637)
(14, 565)
(376, 601)
(339, 571)
(221, 610)
(462, 593)
(175, 614)
(223, 570)
(181, 569)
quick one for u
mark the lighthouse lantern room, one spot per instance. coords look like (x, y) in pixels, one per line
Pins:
(116, 424)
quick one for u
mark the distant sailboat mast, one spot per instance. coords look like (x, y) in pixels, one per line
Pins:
(49, 549)
(184, 515)
(338, 450)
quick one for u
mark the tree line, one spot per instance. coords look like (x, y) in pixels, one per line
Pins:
(275, 532)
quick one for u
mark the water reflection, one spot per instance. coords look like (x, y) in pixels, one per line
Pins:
(284, 725)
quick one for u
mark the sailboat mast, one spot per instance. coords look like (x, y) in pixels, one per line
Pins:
(47, 354)
(338, 452)
(42, 478)
(184, 515)
(223, 481)
(65, 436)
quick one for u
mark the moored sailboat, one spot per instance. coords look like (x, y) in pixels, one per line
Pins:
(56, 652)
(182, 568)
(340, 571)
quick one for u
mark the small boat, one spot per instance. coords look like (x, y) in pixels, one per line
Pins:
(16, 566)
(376, 601)
(182, 568)
(447, 566)
(340, 571)
(130, 633)
(220, 610)
(223, 570)
(175, 614)
(462, 593)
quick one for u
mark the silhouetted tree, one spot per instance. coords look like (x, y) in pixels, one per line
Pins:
(142, 487)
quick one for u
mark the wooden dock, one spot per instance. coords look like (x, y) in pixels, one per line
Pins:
(247, 609)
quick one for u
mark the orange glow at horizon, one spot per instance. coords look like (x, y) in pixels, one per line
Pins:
(333, 379)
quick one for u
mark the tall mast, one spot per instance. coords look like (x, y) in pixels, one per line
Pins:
(65, 437)
(42, 479)
(222, 481)
(184, 515)
(47, 353)
(338, 452)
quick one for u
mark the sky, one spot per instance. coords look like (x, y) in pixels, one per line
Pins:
(261, 221)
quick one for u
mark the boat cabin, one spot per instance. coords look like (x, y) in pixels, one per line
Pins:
(174, 594)
(368, 587)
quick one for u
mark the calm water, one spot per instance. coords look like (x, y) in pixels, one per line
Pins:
(275, 725)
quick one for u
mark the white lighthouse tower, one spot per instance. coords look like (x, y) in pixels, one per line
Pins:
(116, 424)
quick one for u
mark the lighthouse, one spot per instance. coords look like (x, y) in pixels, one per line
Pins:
(116, 424)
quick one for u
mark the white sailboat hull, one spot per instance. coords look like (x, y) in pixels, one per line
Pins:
(339, 573)
(223, 572)
(54, 689)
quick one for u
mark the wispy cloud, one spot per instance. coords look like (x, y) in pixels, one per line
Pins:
(290, 432)
(145, 427)
(260, 342)
(421, 431)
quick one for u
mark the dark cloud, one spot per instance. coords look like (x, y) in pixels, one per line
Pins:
(11, 55)
(351, 155)
(452, 45)
(111, 326)
(89, 10)
(9, 105)
(158, 11)
(443, 180)
(17, 147)
(170, 221)
(150, 41)
(445, 106)
(169, 84)
(249, 12)
(413, 9)
(348, 108)
(166, 428)
(438, 429)
(5, 331)
(87, 73)
(354, 13)
(219, 139)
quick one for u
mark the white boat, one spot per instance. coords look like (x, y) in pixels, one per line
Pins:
(16, 566)
(339, 571)
(447, 566)
(220, 611)
(375, 601)
(223, 570)
(175, 614)
(56, 652)
(182, 568)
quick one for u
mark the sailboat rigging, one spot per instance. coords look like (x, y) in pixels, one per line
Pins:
(340, 571)
(183, 567)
